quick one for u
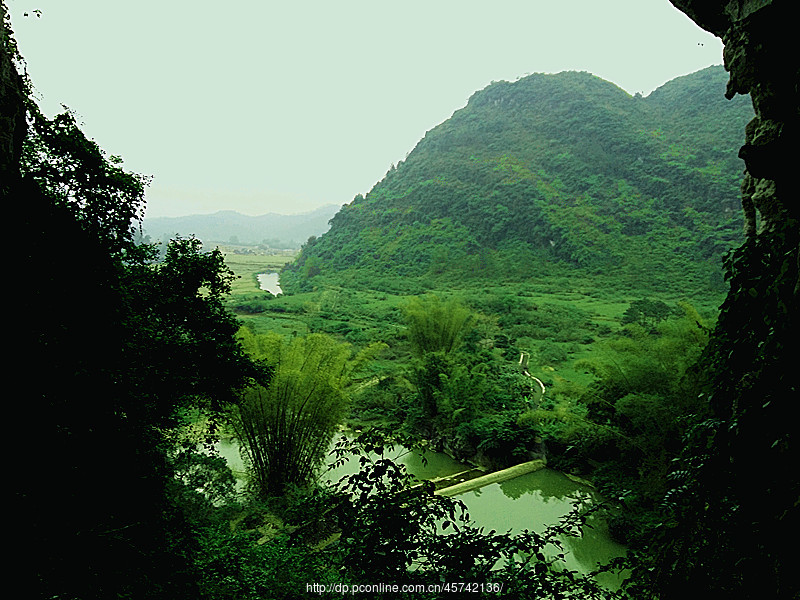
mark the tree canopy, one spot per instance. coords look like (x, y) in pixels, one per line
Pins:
(286, 427)
(115, 345)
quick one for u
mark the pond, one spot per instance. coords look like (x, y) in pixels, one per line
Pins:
(532, 501)
(434, 464)
(536, 500)
(431, 466)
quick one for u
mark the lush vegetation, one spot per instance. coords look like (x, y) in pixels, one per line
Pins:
(613, 313)
(556, 232)
(619, 373)
(287, 426)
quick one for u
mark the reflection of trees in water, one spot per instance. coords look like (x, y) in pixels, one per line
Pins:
(593, 548)
(418, 463)
(515, 489)
(538, 500)
(477, 492)
(550, 485)
(429, 465)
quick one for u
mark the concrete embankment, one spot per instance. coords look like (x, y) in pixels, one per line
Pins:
(495, 477)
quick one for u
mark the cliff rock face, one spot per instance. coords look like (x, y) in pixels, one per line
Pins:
(749, 484)
(763, 62)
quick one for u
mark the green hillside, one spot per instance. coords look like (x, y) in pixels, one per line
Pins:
(554, 175)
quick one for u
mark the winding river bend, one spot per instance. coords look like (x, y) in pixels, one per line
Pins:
(269, 283)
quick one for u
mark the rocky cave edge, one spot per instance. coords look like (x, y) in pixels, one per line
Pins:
(752, 354)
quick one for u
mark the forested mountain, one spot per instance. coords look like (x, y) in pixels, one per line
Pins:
(278, 231)
(553, 173)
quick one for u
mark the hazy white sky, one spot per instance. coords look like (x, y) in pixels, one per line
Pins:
(262, 106)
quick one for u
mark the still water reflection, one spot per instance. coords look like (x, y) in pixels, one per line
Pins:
(532, 501)
(539, 499)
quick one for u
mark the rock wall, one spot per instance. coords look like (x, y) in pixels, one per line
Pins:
(743, 494)
(762, 61)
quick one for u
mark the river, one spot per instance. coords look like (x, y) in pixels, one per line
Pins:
(269, 283)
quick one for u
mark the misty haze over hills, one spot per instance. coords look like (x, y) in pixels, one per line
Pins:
(274, 230)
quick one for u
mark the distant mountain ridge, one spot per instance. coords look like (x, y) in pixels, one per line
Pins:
(564, 170)
(276, 230)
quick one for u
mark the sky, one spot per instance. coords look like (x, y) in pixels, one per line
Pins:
(264, 107)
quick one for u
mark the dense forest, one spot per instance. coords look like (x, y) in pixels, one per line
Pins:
(555, 275)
